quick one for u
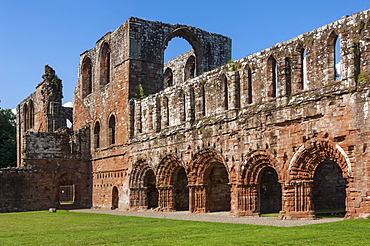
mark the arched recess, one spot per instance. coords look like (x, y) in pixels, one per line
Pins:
(172, 183)
(225, 92)
(209, 178)
(334, 57)
(167, 78)
(96, 135)
(115, 198)
(143, 191)
(273, 88)
(302, 174)
(86, 77)
(193, 41)
(67, 184)
(105, 64)
(247, 84)
(25, 117)
(259, 188)
(189, 71)
(112, 130)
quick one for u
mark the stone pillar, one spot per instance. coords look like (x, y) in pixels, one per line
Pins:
(297, 200)
(198, 199)
(247, 201)
(138, 199)
(165, 198)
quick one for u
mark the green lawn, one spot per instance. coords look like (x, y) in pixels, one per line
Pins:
(67, 228)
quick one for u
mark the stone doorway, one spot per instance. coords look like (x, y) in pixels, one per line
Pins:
(270, 196)
(181, 190)
(115, 198)
(218, 188)
(329, 188)
(151, 189)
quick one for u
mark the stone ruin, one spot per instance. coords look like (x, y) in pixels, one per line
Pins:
(284, 130)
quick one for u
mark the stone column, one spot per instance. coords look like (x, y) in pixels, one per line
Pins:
(138, 199)
(247, 201)
(198, 199)
(297, 200)
(165, 198)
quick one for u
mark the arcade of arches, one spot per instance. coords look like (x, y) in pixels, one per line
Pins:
(316, 179)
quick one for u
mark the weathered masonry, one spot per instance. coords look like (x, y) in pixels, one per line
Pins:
(282, 130)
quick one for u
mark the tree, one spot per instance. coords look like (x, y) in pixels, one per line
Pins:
(7, 138)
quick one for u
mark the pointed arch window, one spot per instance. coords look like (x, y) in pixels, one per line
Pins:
(248, 82)
(112, 130)
(288, 77)
(303, 79)
(25, 116)
(105, 64)
(334, 62)
(86, 77)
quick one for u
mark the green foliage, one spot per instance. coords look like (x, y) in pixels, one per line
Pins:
(233, 65)
(141, 92)
(7, 138)
(68, 228)
(360, 25)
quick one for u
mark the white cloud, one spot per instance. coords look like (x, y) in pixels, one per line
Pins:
(68, 105)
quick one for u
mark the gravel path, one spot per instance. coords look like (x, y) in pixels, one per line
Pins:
(222, 217)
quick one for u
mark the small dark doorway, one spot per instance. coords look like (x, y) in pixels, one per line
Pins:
(181, 190)
(269, 191)
(218, 188)
(151, 189)
(115, 198)
(329, 187)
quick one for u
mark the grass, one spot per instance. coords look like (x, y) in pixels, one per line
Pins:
(69, 228)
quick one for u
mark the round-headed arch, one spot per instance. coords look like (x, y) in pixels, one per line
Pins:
(193, 41)
(167, 169)
(201, 162)
(255, 162)
(137, 177)
(304, 162)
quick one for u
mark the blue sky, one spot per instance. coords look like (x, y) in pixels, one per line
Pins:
(34, 33)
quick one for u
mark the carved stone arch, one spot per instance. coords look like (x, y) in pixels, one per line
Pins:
(193, 41)
(254, 163)
(200, 163)
(166, 169)
(305, 161)
(138, 172)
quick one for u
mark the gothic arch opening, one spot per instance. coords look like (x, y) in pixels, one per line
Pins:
(224, 86)
(97, 135)
(112, 130)
(177, 38)
(115, 198)
(151, 189)
(329, 187)
(190, 68)
(270, 195)
(67, 189)
(334, 58)
(181, 190)
(216, 179)
(168, 78)
(86, 77)
(104, 64)
(25, 117)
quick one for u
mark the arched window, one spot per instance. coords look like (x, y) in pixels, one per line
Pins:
(288, 77)
(192, 105)
(272, 77)
(112, 130)
(303, 61)
(190, 68)
(183, 107)
(203, 91)
(224, 85)
(25, 117)
(97, 135)
(248, 82)
(334, 57)
(104, 65)
(86, 77)
(168, 78)
(166, 111)
(31, 116)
